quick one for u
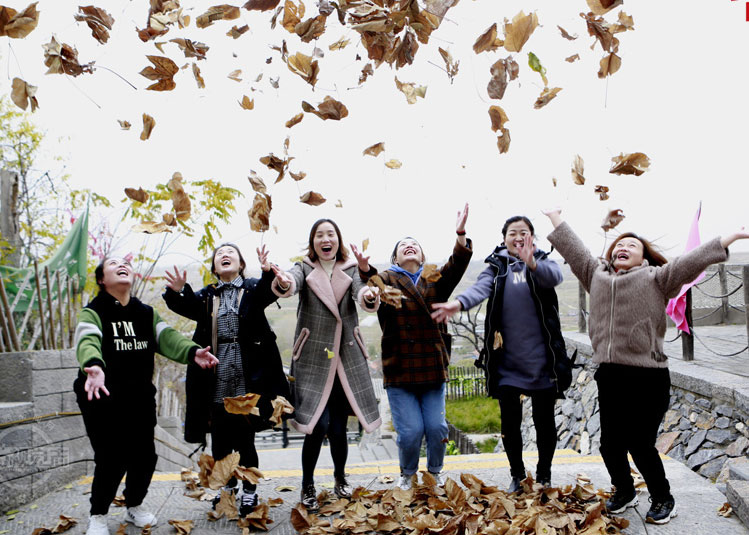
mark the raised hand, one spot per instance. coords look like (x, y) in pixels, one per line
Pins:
(527, 251)
(554, 214)
(262, 257)
(175, 281)
(95, 382)
(204, 358)
(362, 260)
(742, 234)
(371, 293)
(284, 280)
(444, 311)
(460, 226)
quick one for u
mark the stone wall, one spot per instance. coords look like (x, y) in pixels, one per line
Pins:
(706, 426)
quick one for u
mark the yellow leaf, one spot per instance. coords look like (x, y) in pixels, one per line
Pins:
(393, 164)
(246, 103)
(329, 353)
(339, 45)
(150, 227)
(519, 31)
(364, 244)
(245, 404)
(410, 90)
(235, 75)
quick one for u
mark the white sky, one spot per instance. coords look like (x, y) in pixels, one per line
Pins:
(678, 97)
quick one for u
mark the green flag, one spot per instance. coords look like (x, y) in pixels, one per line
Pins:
(70, 259)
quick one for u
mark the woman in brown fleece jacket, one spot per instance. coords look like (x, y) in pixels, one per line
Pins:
(629, 291)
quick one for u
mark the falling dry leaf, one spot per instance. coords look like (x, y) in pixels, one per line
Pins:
(578, 167)
(503, 141)
(451, 66)
(312, 198)
(222, 471)
(535, 64)
(197, 76)
(612, 219)
(183, 527)
(22, 94)
(374, 150)
(601, 7)
(498, 117)
(626, 22)
(274, 81)
(235, 75)
(245, 404)
(410, 90)
(567, 35)
(136, 194)
(260, 212)
(498, 342)
(180, 199)
(488, 40)
(305, 67)
(297, 176)
(501, 71)
(329, 108)
(366, 72)
(519, 30)
(295, 120)
(169, 219)
(388, 294)
(18, 25)
(246, 103)
(546, 96)
(554, 182)
(236, 33)
(148, 124)
(98, 20)
(222, 12)
(163, 72)
(125, 125)
(601, 30)
(635, 163)
(339, 204)
(572, 59)
(261, 5)
(227, 505)
(431, 273)
(602, 192)
(256, 182)
(191, 49)
(280, 406)
(393, 164)
(249, 473)
(609, 65)
(292, 15)
(339, 45)
(150, 227)
(311, 28)
(63, 59)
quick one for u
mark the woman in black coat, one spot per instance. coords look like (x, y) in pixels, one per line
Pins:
(231, 318)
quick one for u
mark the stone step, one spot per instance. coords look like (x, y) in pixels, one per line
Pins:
(737, 492)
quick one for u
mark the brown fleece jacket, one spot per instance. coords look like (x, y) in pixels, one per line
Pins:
(628, 307)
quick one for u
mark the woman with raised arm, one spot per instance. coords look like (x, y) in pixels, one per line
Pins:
(416, 349)
(115, 342)
(230, 316)
(524, 351)
(629, 289)
(330, 363)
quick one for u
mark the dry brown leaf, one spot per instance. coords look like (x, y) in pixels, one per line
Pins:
(451, 66)
(572, 59)
(554, 182)
(137, 194)
(237, 32)
(393, 164)
(725, 510)
(292, 15)
(339, 203)
(366, 72)
(150, 227)
(121, 529)
(295, 120)
(297, 176)
(148, 124)
(547, 94)
(601, 7)
(300, 518)
(635, 163)
(183, 527)
(169, 219)
(222, 471)
(274, 81)
(245, 404)
(191, 49)
(305, 67)
(567, 35)
(246, 103)
(501, 71)
(339, 45)
(163, 72)
(277, 164)
(364, 244)
(601, 30)
(410, 90)
(256, 182)
(388, 294)
(374, 150)
(311, 28)
(18, 25)
(235, 75)
(498, 342)
(430, 273)
(312, 198)
(498, 118)
(578, 167)
(64, 523)
(227, 505)
(222, 12)
(488, 40)
(124, 125)
(626, 22)
(519, 30)
(260, 212)
(180, 199)
(197, 76)
(250, 473)
(98, 20)
(602, 192)
(22, 94)
(329, 108)
(280, 406)
(261, 5)
(503, 141)
(275, 502)
(612, 219)
(609, 65)
(63, 59)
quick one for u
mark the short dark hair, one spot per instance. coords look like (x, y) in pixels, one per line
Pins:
(99, 274)
(242, 263)
(341, 254)
(515, 219)
(649, 252)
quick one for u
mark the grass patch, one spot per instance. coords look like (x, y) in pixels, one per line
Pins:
(488, 445)
(474, 415)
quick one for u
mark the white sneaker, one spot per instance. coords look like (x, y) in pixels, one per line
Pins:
(404, 482)
(140, 517)
(440, 477)
(97, 525)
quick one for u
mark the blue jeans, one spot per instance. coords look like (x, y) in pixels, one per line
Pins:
(418, 412)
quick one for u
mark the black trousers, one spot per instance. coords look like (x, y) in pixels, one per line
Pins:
(233, 432)
(121, 435)
(542, 403)
(632, 402)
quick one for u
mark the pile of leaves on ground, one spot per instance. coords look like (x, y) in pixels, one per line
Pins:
(453, 510)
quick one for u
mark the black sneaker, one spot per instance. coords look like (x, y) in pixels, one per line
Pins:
(309, 498)
(661, 512)
(247, 503)
(515, 486)
(621, 500)
(342, 489)
(545, 482)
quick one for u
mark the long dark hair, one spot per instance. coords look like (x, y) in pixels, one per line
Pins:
(649, 252)
(242, 263)
(341, 254)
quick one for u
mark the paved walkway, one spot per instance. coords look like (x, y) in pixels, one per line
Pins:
(723, 339)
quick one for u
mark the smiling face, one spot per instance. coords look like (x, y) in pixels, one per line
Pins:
(117, 273)
(325, 241)
(227, 263)
(515, 236)
(627, 253)
(408, 251)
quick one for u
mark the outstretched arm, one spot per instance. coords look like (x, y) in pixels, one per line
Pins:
(569, 245)
(742, 234)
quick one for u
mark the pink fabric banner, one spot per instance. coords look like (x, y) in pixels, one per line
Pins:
(677, 306)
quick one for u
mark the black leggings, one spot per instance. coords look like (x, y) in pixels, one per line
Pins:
(232, 432)
(332, 423)
(542, 402)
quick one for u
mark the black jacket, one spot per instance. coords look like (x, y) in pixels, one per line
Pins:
(547, 308)
(261, 361)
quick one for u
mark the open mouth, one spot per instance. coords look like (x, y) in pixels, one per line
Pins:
(123, 271)
(226, 262)
(622, 256)
(409, 250)
(326, 248)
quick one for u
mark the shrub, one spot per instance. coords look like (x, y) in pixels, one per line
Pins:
(474, 415)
